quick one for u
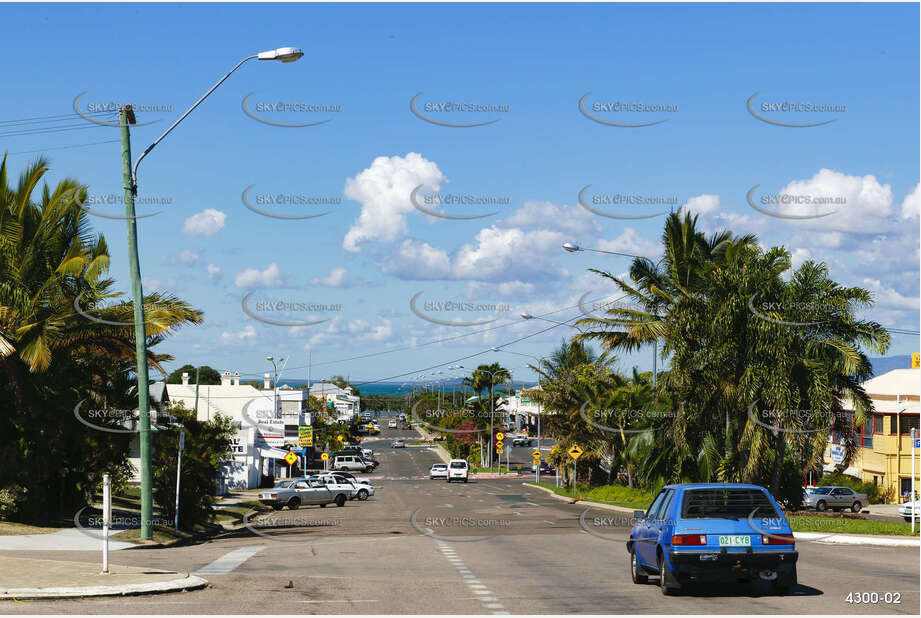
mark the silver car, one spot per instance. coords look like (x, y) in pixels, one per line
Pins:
(293, 493)
(835, 498)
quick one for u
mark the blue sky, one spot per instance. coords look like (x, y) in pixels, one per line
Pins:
(373, 251)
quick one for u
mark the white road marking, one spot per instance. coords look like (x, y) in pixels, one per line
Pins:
(343, 601)
(230, 561)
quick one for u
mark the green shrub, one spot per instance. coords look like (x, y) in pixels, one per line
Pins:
(11, 498)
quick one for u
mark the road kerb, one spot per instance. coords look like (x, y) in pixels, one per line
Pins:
(600, 505)
(189, 582)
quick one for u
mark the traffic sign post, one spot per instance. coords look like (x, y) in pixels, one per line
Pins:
(325, 458)
(911, 499)
(178, 477)
(106, 520)
(575, 451)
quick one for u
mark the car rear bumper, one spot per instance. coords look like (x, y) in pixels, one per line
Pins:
(731, 564)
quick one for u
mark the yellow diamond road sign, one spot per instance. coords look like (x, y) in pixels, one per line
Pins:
(291, 458)
(499, 451)
(575, 451)
(535, 454)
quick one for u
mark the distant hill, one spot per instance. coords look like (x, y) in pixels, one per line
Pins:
(886, 364)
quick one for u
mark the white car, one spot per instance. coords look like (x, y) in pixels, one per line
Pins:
(392, 425)
(398, 444)
(910, 509)
(351, 463)
(438, 471)
(336, 483)
(458, 470)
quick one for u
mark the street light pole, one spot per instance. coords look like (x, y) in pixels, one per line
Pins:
(129, 174)
(539, 360)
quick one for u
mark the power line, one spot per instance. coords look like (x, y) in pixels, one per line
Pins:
(54, 130)
(56, 118)
(108, 141)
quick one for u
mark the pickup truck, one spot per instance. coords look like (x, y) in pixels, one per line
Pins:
(293, 493)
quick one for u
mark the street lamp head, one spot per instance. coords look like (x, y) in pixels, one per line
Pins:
(572, 248)
(284, 54)
(527, 316)
(495, 349)
(269, 358)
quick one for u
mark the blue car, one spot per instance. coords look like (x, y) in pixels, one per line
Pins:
(707, 531)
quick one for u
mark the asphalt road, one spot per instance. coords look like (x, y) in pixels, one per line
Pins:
(485, 547)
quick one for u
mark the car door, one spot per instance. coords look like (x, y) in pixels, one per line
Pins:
(643, 540)
(835, 498)
(847, 496)
(658, 524)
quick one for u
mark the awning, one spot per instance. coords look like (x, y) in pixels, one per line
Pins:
(272, 453)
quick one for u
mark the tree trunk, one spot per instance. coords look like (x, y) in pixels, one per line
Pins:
(778, 463)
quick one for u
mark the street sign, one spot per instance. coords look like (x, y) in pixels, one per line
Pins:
(324, 456)
(304, 435)
(500, 444)
(915, 360)
(499, 450)
(340, 437)
(499, 436)
(291, 458)
(918, 443)
(836, 452)
(575, 451)
(535, 454)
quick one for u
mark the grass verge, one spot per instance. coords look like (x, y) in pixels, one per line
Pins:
(607, 494)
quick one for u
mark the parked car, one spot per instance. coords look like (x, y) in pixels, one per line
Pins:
(439, 471)
(351, 463)
(293, 493)
(360, 483)
(367, 454)
(835, 498)
(392, 425)
(522, 441)
(458, 470)
(907, 510)
(398, 444)
(343, 481)
(712, 530)
(546, 468)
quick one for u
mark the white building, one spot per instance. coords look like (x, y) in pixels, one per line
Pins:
(347, 405)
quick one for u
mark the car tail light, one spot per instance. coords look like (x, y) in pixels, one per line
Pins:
(689, 539)
(777, 539)
(272, 496)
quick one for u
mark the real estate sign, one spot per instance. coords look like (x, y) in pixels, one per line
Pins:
(304, 436)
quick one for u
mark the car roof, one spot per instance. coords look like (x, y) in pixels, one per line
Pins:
(713, 486)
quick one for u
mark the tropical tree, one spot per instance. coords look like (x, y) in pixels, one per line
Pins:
(63, 338)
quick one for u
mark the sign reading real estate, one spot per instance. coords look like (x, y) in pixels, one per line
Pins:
(304, 436)
(270, 433)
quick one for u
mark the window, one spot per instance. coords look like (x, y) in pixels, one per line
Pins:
(663, 508)
(654, 507)
(732, 503)
(866, 437)
(877, 423)
(907, 423)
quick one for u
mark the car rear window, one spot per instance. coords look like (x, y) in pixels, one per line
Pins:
(734, 503)
(439, 466)
(458, 464)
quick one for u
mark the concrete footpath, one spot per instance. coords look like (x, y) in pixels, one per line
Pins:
(877, 540)
(22, 579)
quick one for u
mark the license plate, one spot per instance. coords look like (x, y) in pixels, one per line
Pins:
(735, 540)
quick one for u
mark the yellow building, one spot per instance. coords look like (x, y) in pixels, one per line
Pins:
(884, 457)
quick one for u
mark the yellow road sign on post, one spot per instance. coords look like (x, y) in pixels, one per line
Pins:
(915, 360)
(499, 436)
(500, 444)
(575, 451)
(290, 458)
(499, 450)
(324, 456)
(535, 454)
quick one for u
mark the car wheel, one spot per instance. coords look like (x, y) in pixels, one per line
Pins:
(855, 508)
(362, 494)
(293, 504)
(465, 480)
(278, 507)
(340, 500)
(820, 505)
(636, 573)
(908, 519)
(782, 585)
(322, 506)
(666, 589)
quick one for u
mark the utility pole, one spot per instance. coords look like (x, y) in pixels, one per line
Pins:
(197, 375)
(126, 115)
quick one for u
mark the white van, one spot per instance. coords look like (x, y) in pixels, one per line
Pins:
(367, 453)
(458, 470)
(351, 463)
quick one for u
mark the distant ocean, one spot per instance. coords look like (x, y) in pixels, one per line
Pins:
(394, 388)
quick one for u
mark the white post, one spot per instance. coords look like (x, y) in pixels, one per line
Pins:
(178, 476)
(911, 498)
(106, 520)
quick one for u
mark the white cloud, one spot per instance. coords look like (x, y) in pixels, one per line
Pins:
(702, 204)
(504, 289)
(886, 296)
(187, 257)
(206, 223)
(157, 285)
(866, 209)
(415, 259)
(509, 255)
(383, 189)
(798, 256)
(214, 272)
(355, 331)
(337, 278)
(253, 278)
(631, 242)
(247, 334)
(911, 205)
(574, 220)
